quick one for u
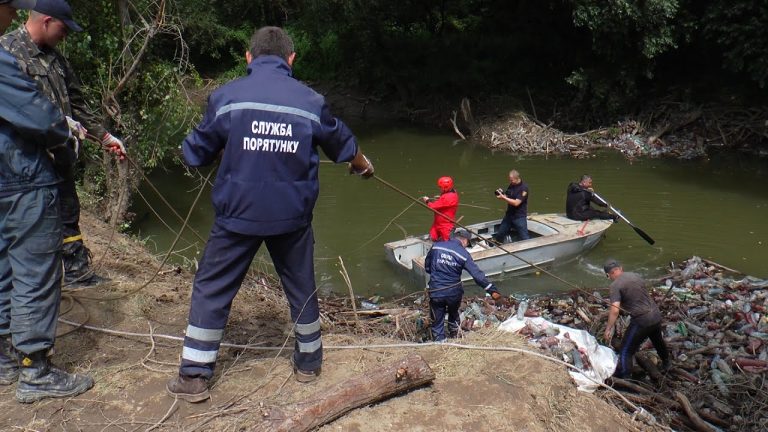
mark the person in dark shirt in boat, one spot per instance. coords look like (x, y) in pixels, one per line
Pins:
(578, 202)
(445, 262)
(628, 293)
(516, 217)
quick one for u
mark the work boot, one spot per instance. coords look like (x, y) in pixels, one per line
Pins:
(77, 263)
(190, 389)
(304, 376)
(666, 365)
(9, 365)
(39, 380)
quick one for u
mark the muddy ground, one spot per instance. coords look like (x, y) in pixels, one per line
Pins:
(473, 390)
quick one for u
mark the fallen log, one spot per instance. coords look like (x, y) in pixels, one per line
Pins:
(712, 263)
(711, 418)
(647, 364)
(700, 424)
(685, 375)
(331, 403)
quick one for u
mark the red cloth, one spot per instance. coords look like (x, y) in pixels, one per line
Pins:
(447, 204)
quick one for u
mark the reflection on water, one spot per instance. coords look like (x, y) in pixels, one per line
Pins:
(713, 208)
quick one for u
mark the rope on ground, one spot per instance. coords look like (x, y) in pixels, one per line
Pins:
(638, 411)
(165, 259)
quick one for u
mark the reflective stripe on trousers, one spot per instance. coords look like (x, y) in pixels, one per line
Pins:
(223, 267)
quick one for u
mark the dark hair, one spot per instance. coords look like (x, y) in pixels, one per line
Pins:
(271, 41)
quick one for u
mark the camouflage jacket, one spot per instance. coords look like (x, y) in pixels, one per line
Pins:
(54, 76)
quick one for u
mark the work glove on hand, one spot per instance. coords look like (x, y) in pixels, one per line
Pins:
(76, 128)
(494, 292)
(114, 145)
(361, 166)
(76, 134)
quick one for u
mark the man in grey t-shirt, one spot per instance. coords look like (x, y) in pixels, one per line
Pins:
(628, 293)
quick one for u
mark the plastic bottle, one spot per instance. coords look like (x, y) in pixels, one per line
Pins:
(521, 309)
(698, 310)
(577, 359)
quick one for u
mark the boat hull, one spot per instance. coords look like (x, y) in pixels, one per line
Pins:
(556, 240)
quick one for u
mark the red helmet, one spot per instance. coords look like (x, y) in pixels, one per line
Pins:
(445, 183)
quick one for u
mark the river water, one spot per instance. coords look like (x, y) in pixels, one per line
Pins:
(715, 208)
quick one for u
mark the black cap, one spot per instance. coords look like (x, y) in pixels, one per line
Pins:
(59, 9)
(610, 264)
(462, 233)
(19, 4)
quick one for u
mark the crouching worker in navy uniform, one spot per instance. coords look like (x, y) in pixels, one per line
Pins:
(445, 262)
(267, 126)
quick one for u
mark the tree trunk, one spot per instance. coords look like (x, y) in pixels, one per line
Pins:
(119, 186)
(330, 404)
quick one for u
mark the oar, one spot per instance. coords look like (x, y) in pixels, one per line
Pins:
(639, 232)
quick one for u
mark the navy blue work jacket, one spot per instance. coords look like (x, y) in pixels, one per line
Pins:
(267, 127)
(445, 261)
(29, 125)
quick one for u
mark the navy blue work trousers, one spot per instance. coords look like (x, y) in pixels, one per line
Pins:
(635, 336)
(223, 267)
(518, 224)
(438, 308)
(30, 268)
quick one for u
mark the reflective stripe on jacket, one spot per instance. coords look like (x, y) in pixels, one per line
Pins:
(267, 127)
(445, 262)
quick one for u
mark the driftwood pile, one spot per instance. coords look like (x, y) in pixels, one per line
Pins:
(518, 133)
(669, 130)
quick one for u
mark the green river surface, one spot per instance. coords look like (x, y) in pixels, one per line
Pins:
(715, 208)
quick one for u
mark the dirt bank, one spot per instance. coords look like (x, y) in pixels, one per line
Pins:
(473, 391)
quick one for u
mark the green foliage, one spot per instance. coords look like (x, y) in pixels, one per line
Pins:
(740, 29)
(155, 111)
(604, 55)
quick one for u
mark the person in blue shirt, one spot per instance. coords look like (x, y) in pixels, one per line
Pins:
(445, 262)
(33, 137)
(266, 127)
(516, 217)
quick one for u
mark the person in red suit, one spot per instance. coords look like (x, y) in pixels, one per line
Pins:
(446, 204)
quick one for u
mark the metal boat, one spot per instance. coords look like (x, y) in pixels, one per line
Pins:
(555, 239)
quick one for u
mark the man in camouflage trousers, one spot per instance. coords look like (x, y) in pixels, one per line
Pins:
(34, 46)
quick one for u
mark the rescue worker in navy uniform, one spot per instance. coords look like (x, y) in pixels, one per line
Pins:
(267, 127)
(578, 202)
(34, 46)
(516, 217)
(445, 262)
(628, 292)
(32, 131)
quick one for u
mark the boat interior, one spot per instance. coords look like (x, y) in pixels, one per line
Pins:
(409, 249)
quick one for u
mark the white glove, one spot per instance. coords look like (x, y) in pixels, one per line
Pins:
(76, 134)
(114, 145)
(77, 129)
